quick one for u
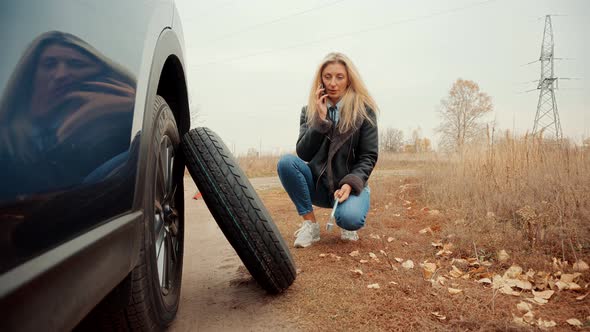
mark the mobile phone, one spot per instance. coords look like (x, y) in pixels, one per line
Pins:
(323, 87)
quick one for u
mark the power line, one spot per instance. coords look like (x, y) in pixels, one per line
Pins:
(344, 35)
(276, 20)
(205, 11)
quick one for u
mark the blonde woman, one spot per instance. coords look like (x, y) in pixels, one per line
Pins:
(337, 150)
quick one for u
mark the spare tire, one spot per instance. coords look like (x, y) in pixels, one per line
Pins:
(238, 210)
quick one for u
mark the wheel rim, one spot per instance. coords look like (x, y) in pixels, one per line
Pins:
(166, 221)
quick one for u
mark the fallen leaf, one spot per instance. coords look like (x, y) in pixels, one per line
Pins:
(438, 315)
(323, 255)
(529, 317)
(405, 243)
(546, 323)
(558, 264)
(454, 291)
(524, 307)
(574, 322)
(459, 261)
(383, 253)
(519, 321)
(567, 285)
(425, 230)
(429, 269)
(436, 244)
(518, 283)
(544, 295)
(513, 272)
(373, 286)
(503, 256)
(441, 280)
(354, 253)
(372, 255)
(539, 300)
(393, 283)
(541, 280)
(399, 260)
(530, 275)
(581, 297)
(363, 261)
(486, 281)
(390, 239)
(357, 272)
(374, 236)
(455, 272)
(444, 253)
(408, 264)
(581, 266)
(505, 289)
(570, 277)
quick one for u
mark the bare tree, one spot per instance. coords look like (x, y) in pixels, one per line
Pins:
(392, 140)
(462, 112)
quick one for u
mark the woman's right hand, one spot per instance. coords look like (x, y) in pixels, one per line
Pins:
(321, 102)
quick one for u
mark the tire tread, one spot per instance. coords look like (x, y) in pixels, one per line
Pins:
(238, 210)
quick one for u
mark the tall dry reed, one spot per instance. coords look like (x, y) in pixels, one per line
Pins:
(519, 193)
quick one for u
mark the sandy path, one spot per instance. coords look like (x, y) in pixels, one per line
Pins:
(217, 292)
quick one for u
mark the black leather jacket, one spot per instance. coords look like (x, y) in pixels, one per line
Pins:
(337, 158)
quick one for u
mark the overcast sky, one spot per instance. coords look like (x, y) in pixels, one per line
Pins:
(250, 63)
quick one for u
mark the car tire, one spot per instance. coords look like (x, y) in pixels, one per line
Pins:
(238, 210)
(147, 299)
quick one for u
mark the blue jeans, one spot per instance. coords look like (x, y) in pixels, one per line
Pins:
(297, 180)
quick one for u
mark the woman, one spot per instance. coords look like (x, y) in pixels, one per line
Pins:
(66, 110)
(337, 150)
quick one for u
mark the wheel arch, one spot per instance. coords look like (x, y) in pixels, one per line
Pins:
(173, 88)
(167, 77)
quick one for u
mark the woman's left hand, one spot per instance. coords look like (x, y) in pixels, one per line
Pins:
(342, 194)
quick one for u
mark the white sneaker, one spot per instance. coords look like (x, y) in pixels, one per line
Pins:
(348, 235)
(307, 234)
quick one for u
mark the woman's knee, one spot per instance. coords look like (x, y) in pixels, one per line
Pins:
(350, 221)
(286, 163)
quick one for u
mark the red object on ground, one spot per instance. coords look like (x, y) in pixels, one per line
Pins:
(198, 195)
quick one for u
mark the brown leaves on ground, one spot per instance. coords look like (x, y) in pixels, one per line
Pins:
(407, 274)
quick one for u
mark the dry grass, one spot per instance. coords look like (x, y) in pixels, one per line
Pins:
(327, 295)
(266, 165)
(390, 160)
(518, 195)
(254, 166)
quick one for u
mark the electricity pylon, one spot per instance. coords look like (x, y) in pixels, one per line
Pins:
(547, 117)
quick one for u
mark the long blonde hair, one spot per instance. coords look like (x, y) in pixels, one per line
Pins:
(355, 100)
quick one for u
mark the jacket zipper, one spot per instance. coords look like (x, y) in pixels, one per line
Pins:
(320, 176)
(348, 158)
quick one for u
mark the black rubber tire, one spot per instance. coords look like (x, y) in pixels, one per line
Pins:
(238, 210)
(138, 302)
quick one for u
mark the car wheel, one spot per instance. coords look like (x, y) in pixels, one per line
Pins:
(147, 300)
(238, 210)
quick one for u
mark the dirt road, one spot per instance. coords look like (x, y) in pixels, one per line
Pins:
(218, 293)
